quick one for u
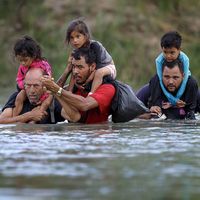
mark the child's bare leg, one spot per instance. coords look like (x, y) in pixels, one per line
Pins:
(98, 77)
(19, 102)
(61, 81)
(71, 84)
(46, 103)
(97, 81)
(100, 73)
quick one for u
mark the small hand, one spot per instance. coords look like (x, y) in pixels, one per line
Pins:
(166, 105)
(180, 104)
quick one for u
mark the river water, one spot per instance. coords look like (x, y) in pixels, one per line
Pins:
(134, 160)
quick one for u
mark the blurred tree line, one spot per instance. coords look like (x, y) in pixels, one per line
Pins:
(129, 29)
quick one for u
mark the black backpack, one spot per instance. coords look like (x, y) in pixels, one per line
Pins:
(125, 105)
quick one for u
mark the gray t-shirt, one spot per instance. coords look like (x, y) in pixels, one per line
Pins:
(103, 58)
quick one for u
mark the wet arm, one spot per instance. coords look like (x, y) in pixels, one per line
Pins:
(73, 104)
(69, 112)
(77, 101)
(98, 77)
(6, 116)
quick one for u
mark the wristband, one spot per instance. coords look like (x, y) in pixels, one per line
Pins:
(59, 93)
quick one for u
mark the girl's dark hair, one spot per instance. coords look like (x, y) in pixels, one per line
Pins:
(171, 39)
(80, 26)
(27, 47)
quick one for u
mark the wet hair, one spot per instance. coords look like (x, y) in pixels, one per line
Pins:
(87, 53)
(173, 64)
(27, 47)
(171, 39)
(80, 26)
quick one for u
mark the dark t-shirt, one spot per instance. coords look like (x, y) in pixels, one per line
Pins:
(103, 58)
(143, 94)
(28, 107)
(157, 97)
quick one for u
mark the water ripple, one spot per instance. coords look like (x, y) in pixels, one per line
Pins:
(100, 158)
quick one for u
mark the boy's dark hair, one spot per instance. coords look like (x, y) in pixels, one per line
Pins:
(27, 47)
(172, 64)
(88, 54)
(171, 39)
(80, 26)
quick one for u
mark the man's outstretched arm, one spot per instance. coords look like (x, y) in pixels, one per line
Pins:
(6, 116)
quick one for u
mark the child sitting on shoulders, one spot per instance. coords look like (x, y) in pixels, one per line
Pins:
(171, 50)
(28, 53)
(78, 36)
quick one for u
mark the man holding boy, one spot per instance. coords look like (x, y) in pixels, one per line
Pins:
(79, 106)
(171, 55)
(171, 50)
(172, 78)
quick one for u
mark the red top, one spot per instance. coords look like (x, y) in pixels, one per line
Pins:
(23, 70)
(103, 95)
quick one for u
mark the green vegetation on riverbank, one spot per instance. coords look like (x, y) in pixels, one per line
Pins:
(129, 29)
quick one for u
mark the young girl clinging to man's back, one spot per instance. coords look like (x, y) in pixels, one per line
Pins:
(28, 53)
(78, 36)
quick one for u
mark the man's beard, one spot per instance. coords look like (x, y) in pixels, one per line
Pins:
(79, 81)
(34, 101)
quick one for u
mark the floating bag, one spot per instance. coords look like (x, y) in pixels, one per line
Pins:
(125, 105)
